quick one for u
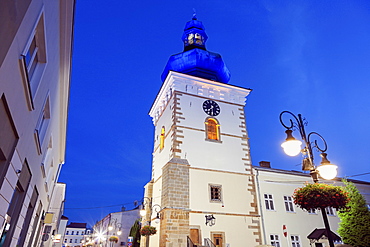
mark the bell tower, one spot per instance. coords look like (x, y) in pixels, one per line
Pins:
(201, 172)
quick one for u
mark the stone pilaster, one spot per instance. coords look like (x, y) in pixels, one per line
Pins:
(175, 204)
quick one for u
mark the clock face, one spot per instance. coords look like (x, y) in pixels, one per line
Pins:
(211, 108)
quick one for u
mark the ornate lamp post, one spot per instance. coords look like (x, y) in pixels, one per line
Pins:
(292, 147)
(116, 226)
(147, 209)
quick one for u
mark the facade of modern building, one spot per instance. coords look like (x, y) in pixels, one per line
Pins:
(275, 189)
(75, 234)
(35, 61)
(116, 225)
(202, 184)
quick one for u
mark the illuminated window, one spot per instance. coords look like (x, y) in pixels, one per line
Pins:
(161, 140)
(212, 129)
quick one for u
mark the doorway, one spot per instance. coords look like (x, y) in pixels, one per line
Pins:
(217, 239)
(194, 236)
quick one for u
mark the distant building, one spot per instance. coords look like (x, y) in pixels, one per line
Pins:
(115, 224)
(275, 188)
(35, 65)
(74, 234)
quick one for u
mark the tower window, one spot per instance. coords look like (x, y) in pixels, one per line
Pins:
(161, 139)
(215, 193)
(212, 129)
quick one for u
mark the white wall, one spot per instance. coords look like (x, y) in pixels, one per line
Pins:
(300, 222)
(53, 83)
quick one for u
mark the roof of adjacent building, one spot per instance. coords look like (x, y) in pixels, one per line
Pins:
(76, 225)
(319, 233)
(64, 217)
(300, 173)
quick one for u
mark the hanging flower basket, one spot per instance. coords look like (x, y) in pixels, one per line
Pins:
(316, 196)
(148, 230)
(113, 239)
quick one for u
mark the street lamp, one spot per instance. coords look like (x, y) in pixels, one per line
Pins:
(147, 207)
(292, 147)
(114, 225)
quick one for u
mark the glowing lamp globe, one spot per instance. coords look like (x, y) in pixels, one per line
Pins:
(292, 147)
(142, 212)
(327, 171)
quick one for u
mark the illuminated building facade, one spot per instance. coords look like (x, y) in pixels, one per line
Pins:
(35, 61)
(202, 181)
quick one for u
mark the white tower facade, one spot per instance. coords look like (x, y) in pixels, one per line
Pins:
(202, 183)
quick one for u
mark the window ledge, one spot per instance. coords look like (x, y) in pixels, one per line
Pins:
(211, 140)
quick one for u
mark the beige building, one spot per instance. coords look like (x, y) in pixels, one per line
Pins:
(275, 188)
(116, 225)
(202, 186)
(35, 61)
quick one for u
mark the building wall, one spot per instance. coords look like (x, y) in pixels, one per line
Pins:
(237, 219)
(122, 221)
(61, 230)
(73, 237)
(280, 183)
(35, 113)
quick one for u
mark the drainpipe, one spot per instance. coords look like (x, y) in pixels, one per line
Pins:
(260, 203)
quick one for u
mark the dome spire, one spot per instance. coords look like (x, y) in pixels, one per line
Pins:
(194, 34)
(195, 60)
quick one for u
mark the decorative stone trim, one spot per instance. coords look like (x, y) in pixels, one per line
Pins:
(221, 213)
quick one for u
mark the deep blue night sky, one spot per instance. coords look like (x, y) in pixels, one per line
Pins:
(308, 57)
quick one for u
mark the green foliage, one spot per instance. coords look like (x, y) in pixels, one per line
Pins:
(354, 227)
(135, 233)
(315, 196)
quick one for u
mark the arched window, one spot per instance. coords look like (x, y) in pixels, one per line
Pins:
(212, 129)
(161, 139)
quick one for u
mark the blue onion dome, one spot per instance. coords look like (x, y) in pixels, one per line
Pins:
(195, 59)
